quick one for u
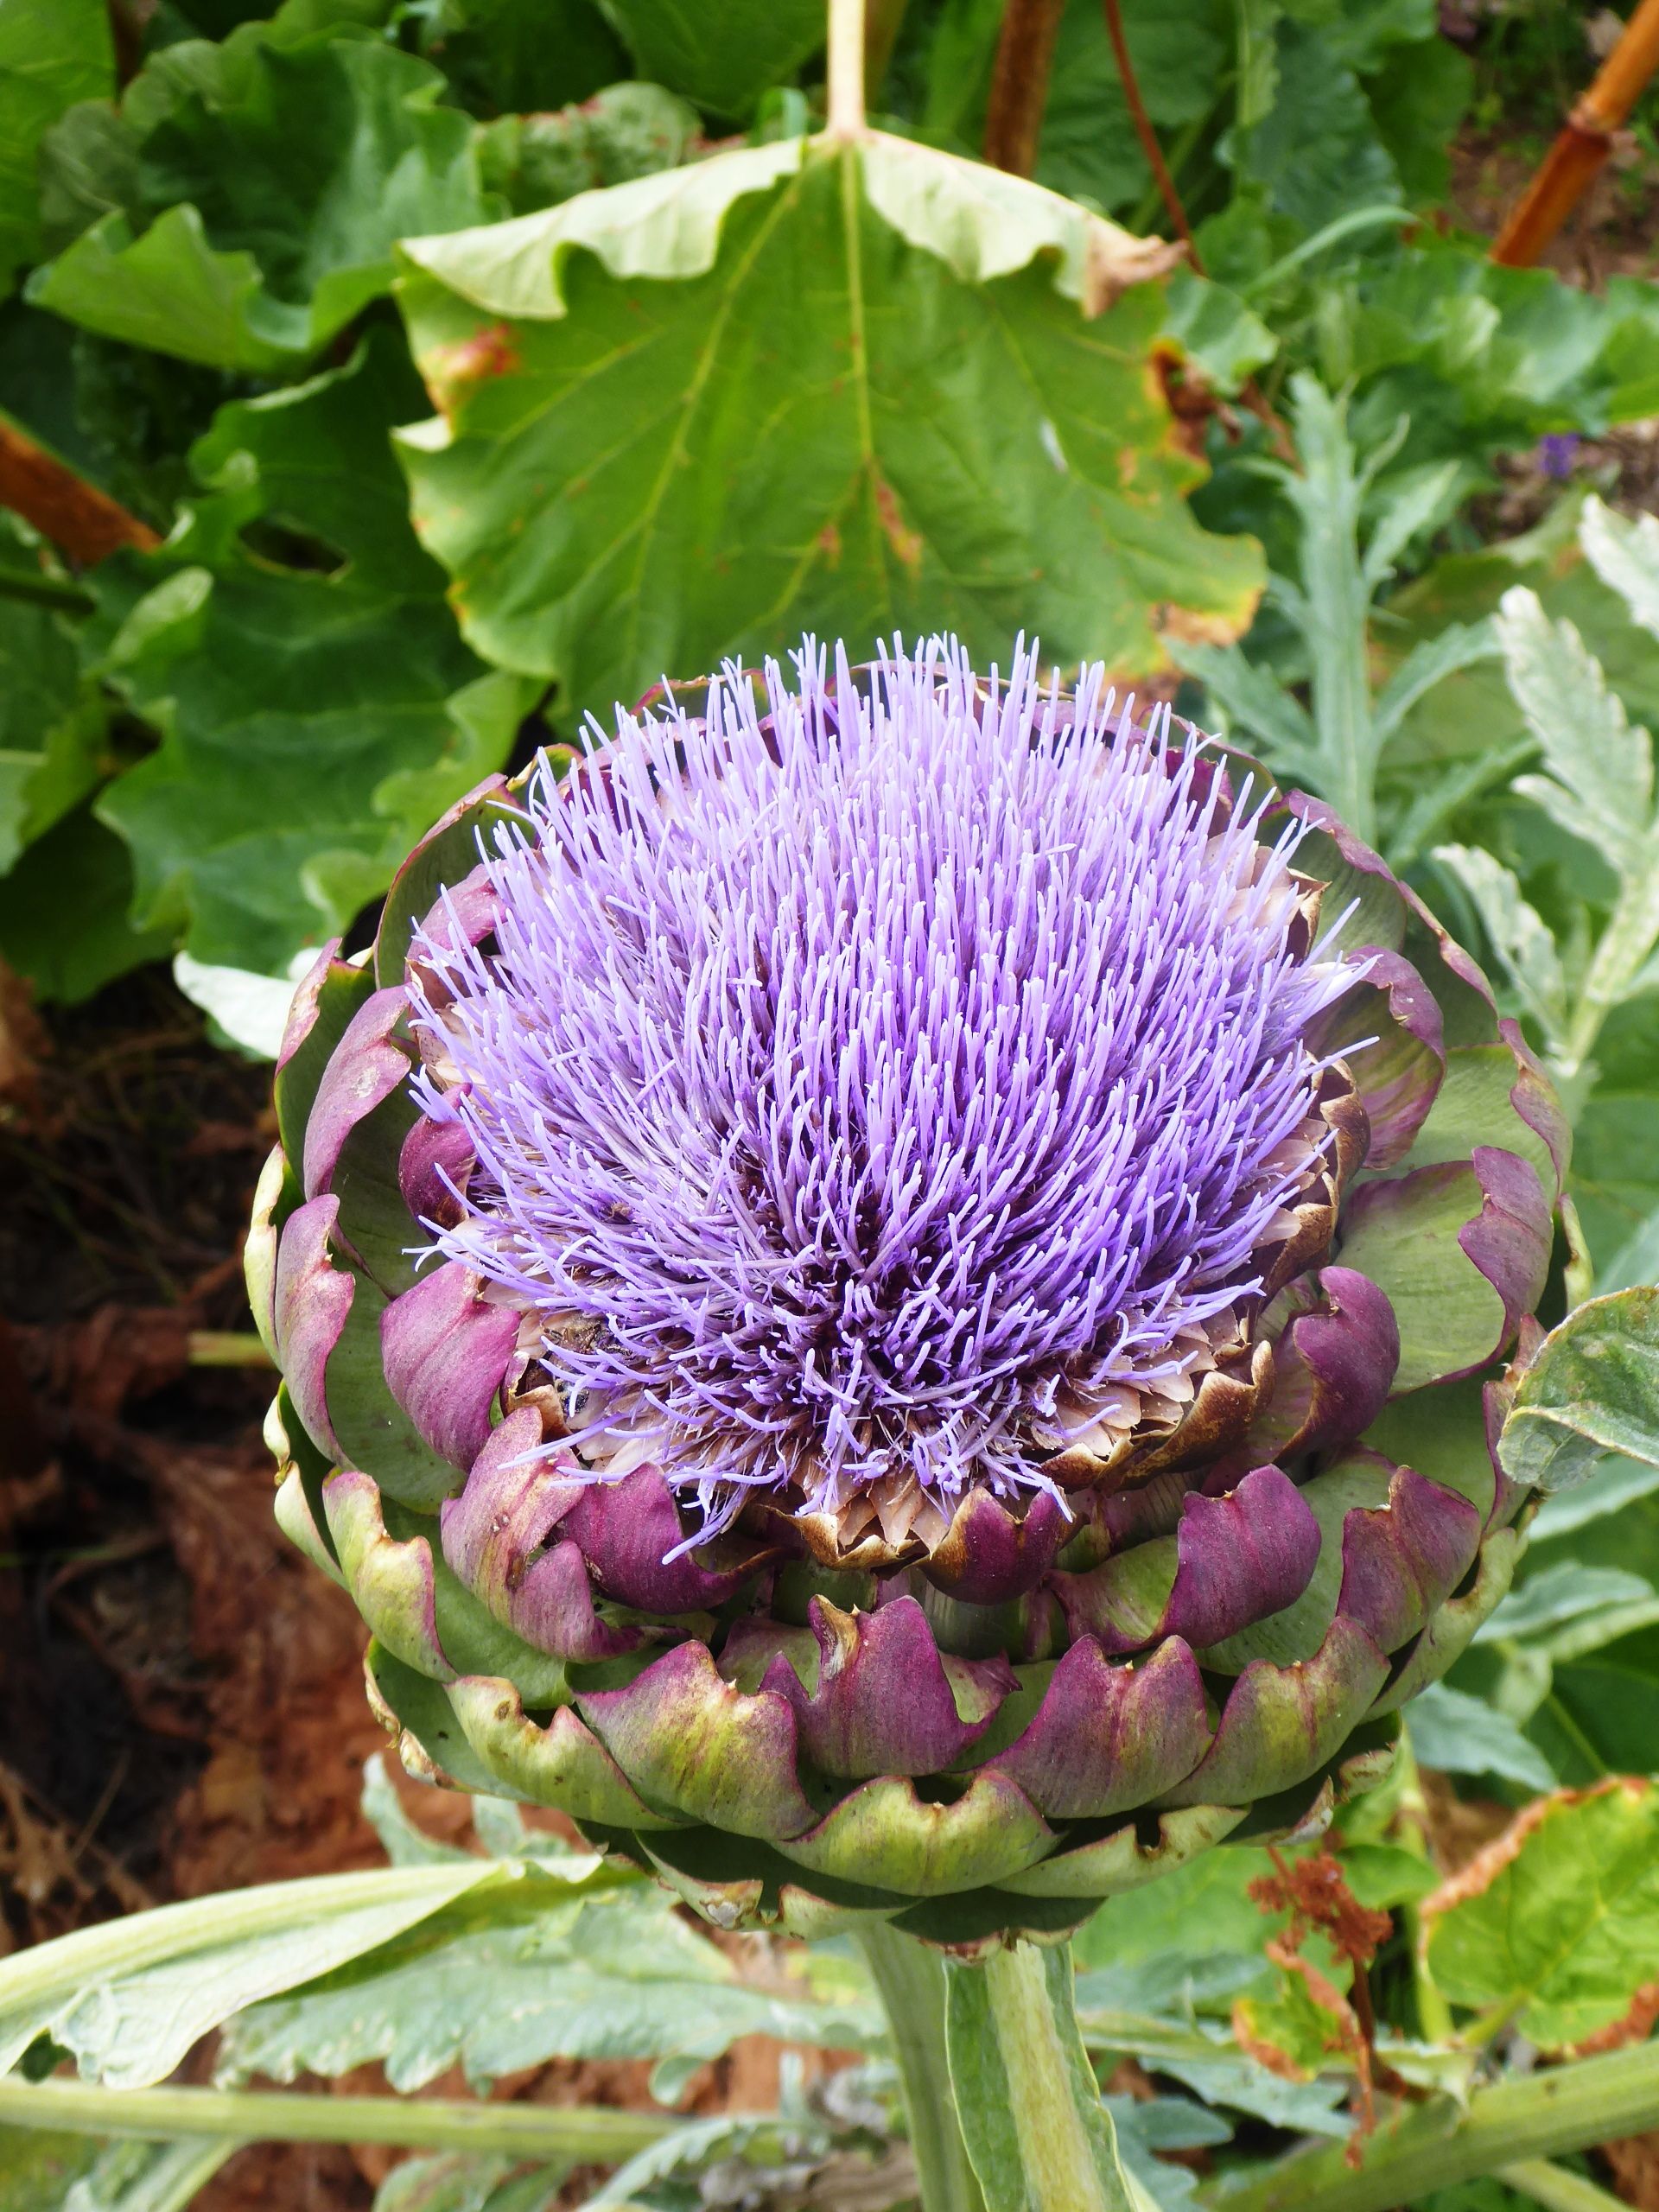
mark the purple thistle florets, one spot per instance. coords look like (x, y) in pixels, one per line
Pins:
(873, 1088)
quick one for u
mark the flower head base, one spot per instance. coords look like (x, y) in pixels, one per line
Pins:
(881, 1091)
(840, 1273)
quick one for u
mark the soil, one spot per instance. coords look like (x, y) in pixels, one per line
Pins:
(182, 1706)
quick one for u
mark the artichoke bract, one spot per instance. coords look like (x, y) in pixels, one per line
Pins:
(892, 1291)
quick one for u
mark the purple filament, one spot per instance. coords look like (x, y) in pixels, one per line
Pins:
(851, 1075)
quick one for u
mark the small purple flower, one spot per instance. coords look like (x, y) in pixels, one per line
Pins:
(1558, 453)
(880, 1094)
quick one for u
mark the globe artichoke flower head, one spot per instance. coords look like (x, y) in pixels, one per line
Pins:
(892, 1291)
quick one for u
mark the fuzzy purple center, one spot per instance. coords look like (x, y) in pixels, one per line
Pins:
(857, 1091)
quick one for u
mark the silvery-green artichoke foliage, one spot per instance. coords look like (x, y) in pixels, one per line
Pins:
(885, 1291)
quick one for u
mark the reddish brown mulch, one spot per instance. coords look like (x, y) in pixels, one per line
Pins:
(181, 1706)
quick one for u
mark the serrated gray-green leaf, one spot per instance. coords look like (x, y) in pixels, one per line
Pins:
(851, 389)
(1456, 1733)
(620, 1976)
(273, 186)
(403, 1843)
(1316, 2107)
(147, 2177)
(1566, 1592)
(52, 53)
(1623, 550)
(1615, 1484)
(1416, 499)
(1256, 706)
(1601, 767)
(1144, 2129)
(129, 2001)
(1518, 933)
(468, 2181)
(1590, 1389)
(317, 705)
(1459, 645)
(758, 2138)
(500, 1828)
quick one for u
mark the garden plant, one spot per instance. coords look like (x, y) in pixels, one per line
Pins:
(964, 984)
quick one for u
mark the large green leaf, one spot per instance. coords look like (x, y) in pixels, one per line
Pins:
(1202, 1909)
(855, 389)
(317, 707)
(1456, 1733)
(617, 1976)
(1600, 1714)
(1179, 49)
(270, 184)
(1591, 1389)
(522, 56)
(1556, 1929)
(52, 54)
(1590, 1685)
(722, 57)
(1417, 99)
(1316, 152)
(1480, 357)
(51, 720)
(65, 911)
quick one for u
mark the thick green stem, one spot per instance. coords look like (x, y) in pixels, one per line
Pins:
(845, 73)
(1057, 2132)
(910, 1979)
(1434, 2020)
(225, 1348)
(1557, 2190)
(1027, 2101)
(1518, 2121)
(595, 2135)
